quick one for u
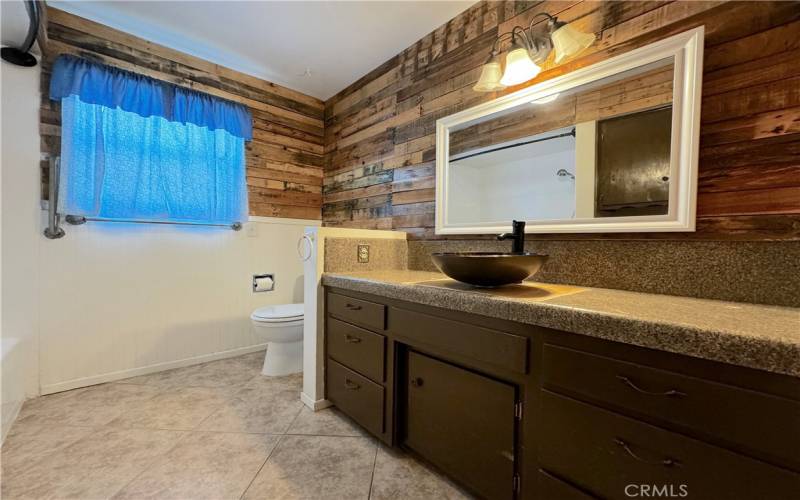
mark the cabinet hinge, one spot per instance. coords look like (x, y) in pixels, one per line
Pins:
(515, 483)
(518, 410)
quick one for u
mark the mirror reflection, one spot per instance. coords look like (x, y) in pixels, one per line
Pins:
(599, 150)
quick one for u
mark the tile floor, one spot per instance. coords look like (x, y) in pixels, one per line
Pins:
(218, 430)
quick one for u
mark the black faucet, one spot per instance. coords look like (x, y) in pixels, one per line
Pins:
(517, 234)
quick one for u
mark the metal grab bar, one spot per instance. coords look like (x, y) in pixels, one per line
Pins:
(77, 220)
(52, 231)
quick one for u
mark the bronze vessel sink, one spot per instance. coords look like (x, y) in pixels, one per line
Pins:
(489, 269)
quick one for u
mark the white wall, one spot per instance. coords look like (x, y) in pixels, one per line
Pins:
(314, 310)
(585, 168)
(20, 235)
(514, 183)
(121, 299)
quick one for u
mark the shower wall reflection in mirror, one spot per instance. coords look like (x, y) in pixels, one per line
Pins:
(598, 156)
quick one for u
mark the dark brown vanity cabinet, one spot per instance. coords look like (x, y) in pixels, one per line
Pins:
(513, 411)
(462, 422)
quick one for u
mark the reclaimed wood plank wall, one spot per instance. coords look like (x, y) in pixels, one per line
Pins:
(285, 158)
(379, 131)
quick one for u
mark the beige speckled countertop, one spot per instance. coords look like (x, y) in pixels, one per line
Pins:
(756, 336)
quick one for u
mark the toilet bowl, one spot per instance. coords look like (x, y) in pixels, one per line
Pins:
(281, 327)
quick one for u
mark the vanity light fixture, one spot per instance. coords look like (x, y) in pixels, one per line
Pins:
(490, 75)
(519, 65)
(528, 50)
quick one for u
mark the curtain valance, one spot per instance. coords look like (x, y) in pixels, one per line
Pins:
(95, 83)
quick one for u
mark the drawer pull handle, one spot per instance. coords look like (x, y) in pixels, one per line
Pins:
(352, 307)
(350, 385)
(672, 393)
(416, 382)
(351, 340)
(666, 462)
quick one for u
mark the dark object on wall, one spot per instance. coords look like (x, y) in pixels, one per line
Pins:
(21, 56)
(633, 180)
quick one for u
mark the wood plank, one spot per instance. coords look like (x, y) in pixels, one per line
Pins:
(287, 211)
(780, 150)
(779, 39)
(417, 196)
(751, 127)
(357, 193)
(752, 73)
(772, 200)
(742, 178)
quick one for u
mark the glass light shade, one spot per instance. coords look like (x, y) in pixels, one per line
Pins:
(490, 77)
(519, 67)
(567, 41)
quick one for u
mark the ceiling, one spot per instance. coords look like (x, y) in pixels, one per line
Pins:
(316, 47)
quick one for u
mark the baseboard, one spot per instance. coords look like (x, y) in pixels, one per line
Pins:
(146, 370)
(316, 405)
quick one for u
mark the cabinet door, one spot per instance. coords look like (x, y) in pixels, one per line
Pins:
(463, 423)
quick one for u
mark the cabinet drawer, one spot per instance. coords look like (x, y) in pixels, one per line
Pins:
(356, 348)
(552, 488)
(356, 396)
(604, 453)
(361, 312)
(756, 422)
(501, 349)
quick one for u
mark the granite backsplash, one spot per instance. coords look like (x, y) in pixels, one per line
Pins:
(757, 272)
(341, 254)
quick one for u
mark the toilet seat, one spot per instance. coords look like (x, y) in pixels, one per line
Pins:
(282, 313)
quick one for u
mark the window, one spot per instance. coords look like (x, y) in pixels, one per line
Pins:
(134, 148)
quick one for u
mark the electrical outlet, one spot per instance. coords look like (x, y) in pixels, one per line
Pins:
(363, 254)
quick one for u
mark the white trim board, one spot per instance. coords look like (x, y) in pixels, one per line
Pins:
(686, 49)
(315, 405)
(282, 220)
(147, 370)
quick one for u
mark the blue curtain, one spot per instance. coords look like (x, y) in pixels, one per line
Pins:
(115, 88)
(135, 148)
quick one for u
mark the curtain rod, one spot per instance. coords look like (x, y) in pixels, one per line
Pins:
(565, 134)
(77, 220)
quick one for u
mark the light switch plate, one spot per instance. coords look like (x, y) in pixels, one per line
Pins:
(363, 254)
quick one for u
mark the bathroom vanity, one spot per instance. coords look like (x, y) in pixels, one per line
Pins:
(552, 392)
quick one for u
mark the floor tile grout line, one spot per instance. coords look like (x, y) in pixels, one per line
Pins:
(269, 455)
(297, 415)
(372, 476)
(155, 460)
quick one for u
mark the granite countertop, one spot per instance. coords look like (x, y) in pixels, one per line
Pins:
(751, 335)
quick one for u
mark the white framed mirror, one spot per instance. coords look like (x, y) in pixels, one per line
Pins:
(612, 147)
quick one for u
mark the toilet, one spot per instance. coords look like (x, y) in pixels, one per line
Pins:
(281, 327)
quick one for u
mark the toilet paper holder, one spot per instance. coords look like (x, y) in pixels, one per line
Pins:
(263, 283)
